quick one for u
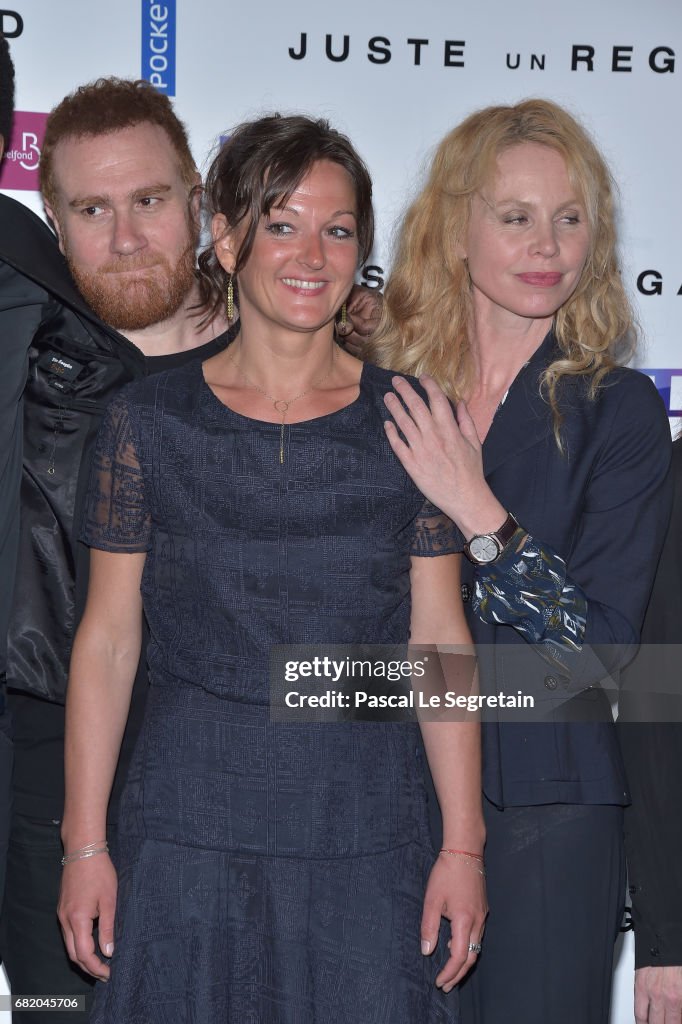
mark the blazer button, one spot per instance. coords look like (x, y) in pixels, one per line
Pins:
(550, 683)
(655, 951)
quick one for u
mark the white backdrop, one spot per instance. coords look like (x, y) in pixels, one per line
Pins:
(409, 72)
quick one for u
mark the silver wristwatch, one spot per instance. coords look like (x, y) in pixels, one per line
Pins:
(486, 548)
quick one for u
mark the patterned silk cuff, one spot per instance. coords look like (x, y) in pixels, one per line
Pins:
(527, 588)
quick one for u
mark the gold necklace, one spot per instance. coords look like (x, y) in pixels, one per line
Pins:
(280, 404)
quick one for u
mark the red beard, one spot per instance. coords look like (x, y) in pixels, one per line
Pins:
(132, 302)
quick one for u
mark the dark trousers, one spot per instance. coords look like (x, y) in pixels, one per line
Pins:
(31, 941)
(556, 889)
(6, 760)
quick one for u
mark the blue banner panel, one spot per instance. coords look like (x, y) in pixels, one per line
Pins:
(158, 45)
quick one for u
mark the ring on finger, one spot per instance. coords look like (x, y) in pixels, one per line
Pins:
(475, 947)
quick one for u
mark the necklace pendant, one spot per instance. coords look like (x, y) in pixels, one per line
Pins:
(281, 406)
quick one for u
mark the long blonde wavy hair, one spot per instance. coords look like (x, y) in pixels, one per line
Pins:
(428, 308)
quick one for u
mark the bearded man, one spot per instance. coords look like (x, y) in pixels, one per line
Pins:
(122, 190)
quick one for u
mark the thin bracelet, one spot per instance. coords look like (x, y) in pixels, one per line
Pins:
(69, 858)
(86, 851)
(463, 853)
(474, 859)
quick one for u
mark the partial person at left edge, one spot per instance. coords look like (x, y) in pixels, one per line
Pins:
(20, 304)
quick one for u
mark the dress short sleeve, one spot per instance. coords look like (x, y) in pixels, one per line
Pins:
(435, 533)
(116, 516)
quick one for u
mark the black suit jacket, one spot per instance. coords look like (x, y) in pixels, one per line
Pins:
(650, 731)
(603, 505)
(51, 326)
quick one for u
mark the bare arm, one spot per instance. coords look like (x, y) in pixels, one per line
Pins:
(105, 656)
(456, 888)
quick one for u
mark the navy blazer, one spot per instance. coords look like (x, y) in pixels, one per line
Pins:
(603, 505)
(650, 734)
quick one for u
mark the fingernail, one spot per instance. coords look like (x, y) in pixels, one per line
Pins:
(109, 949)
(426, 947)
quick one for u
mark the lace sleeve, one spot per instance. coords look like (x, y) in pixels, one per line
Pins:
(116, 516)
(435, 534)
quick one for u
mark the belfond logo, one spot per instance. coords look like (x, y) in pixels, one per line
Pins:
(19, 168)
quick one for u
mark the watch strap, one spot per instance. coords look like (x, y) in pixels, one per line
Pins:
(506, 531)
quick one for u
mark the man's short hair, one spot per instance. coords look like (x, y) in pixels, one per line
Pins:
(6, 90)
(109, 105)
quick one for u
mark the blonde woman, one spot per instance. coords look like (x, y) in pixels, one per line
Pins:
(506, 294)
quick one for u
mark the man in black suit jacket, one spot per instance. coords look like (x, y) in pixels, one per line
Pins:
(650, 732)
(19, 303)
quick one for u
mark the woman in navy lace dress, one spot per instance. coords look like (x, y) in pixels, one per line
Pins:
(267, 872)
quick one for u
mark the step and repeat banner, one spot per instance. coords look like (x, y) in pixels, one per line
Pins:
(396, 76)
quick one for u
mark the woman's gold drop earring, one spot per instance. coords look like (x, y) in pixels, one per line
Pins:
(229, 302)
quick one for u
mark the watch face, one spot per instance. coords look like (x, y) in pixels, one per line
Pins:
(483, 549)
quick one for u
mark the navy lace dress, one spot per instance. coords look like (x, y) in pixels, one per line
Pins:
(268, 873)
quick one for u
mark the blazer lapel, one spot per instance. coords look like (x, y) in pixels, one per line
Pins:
(523, 418)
